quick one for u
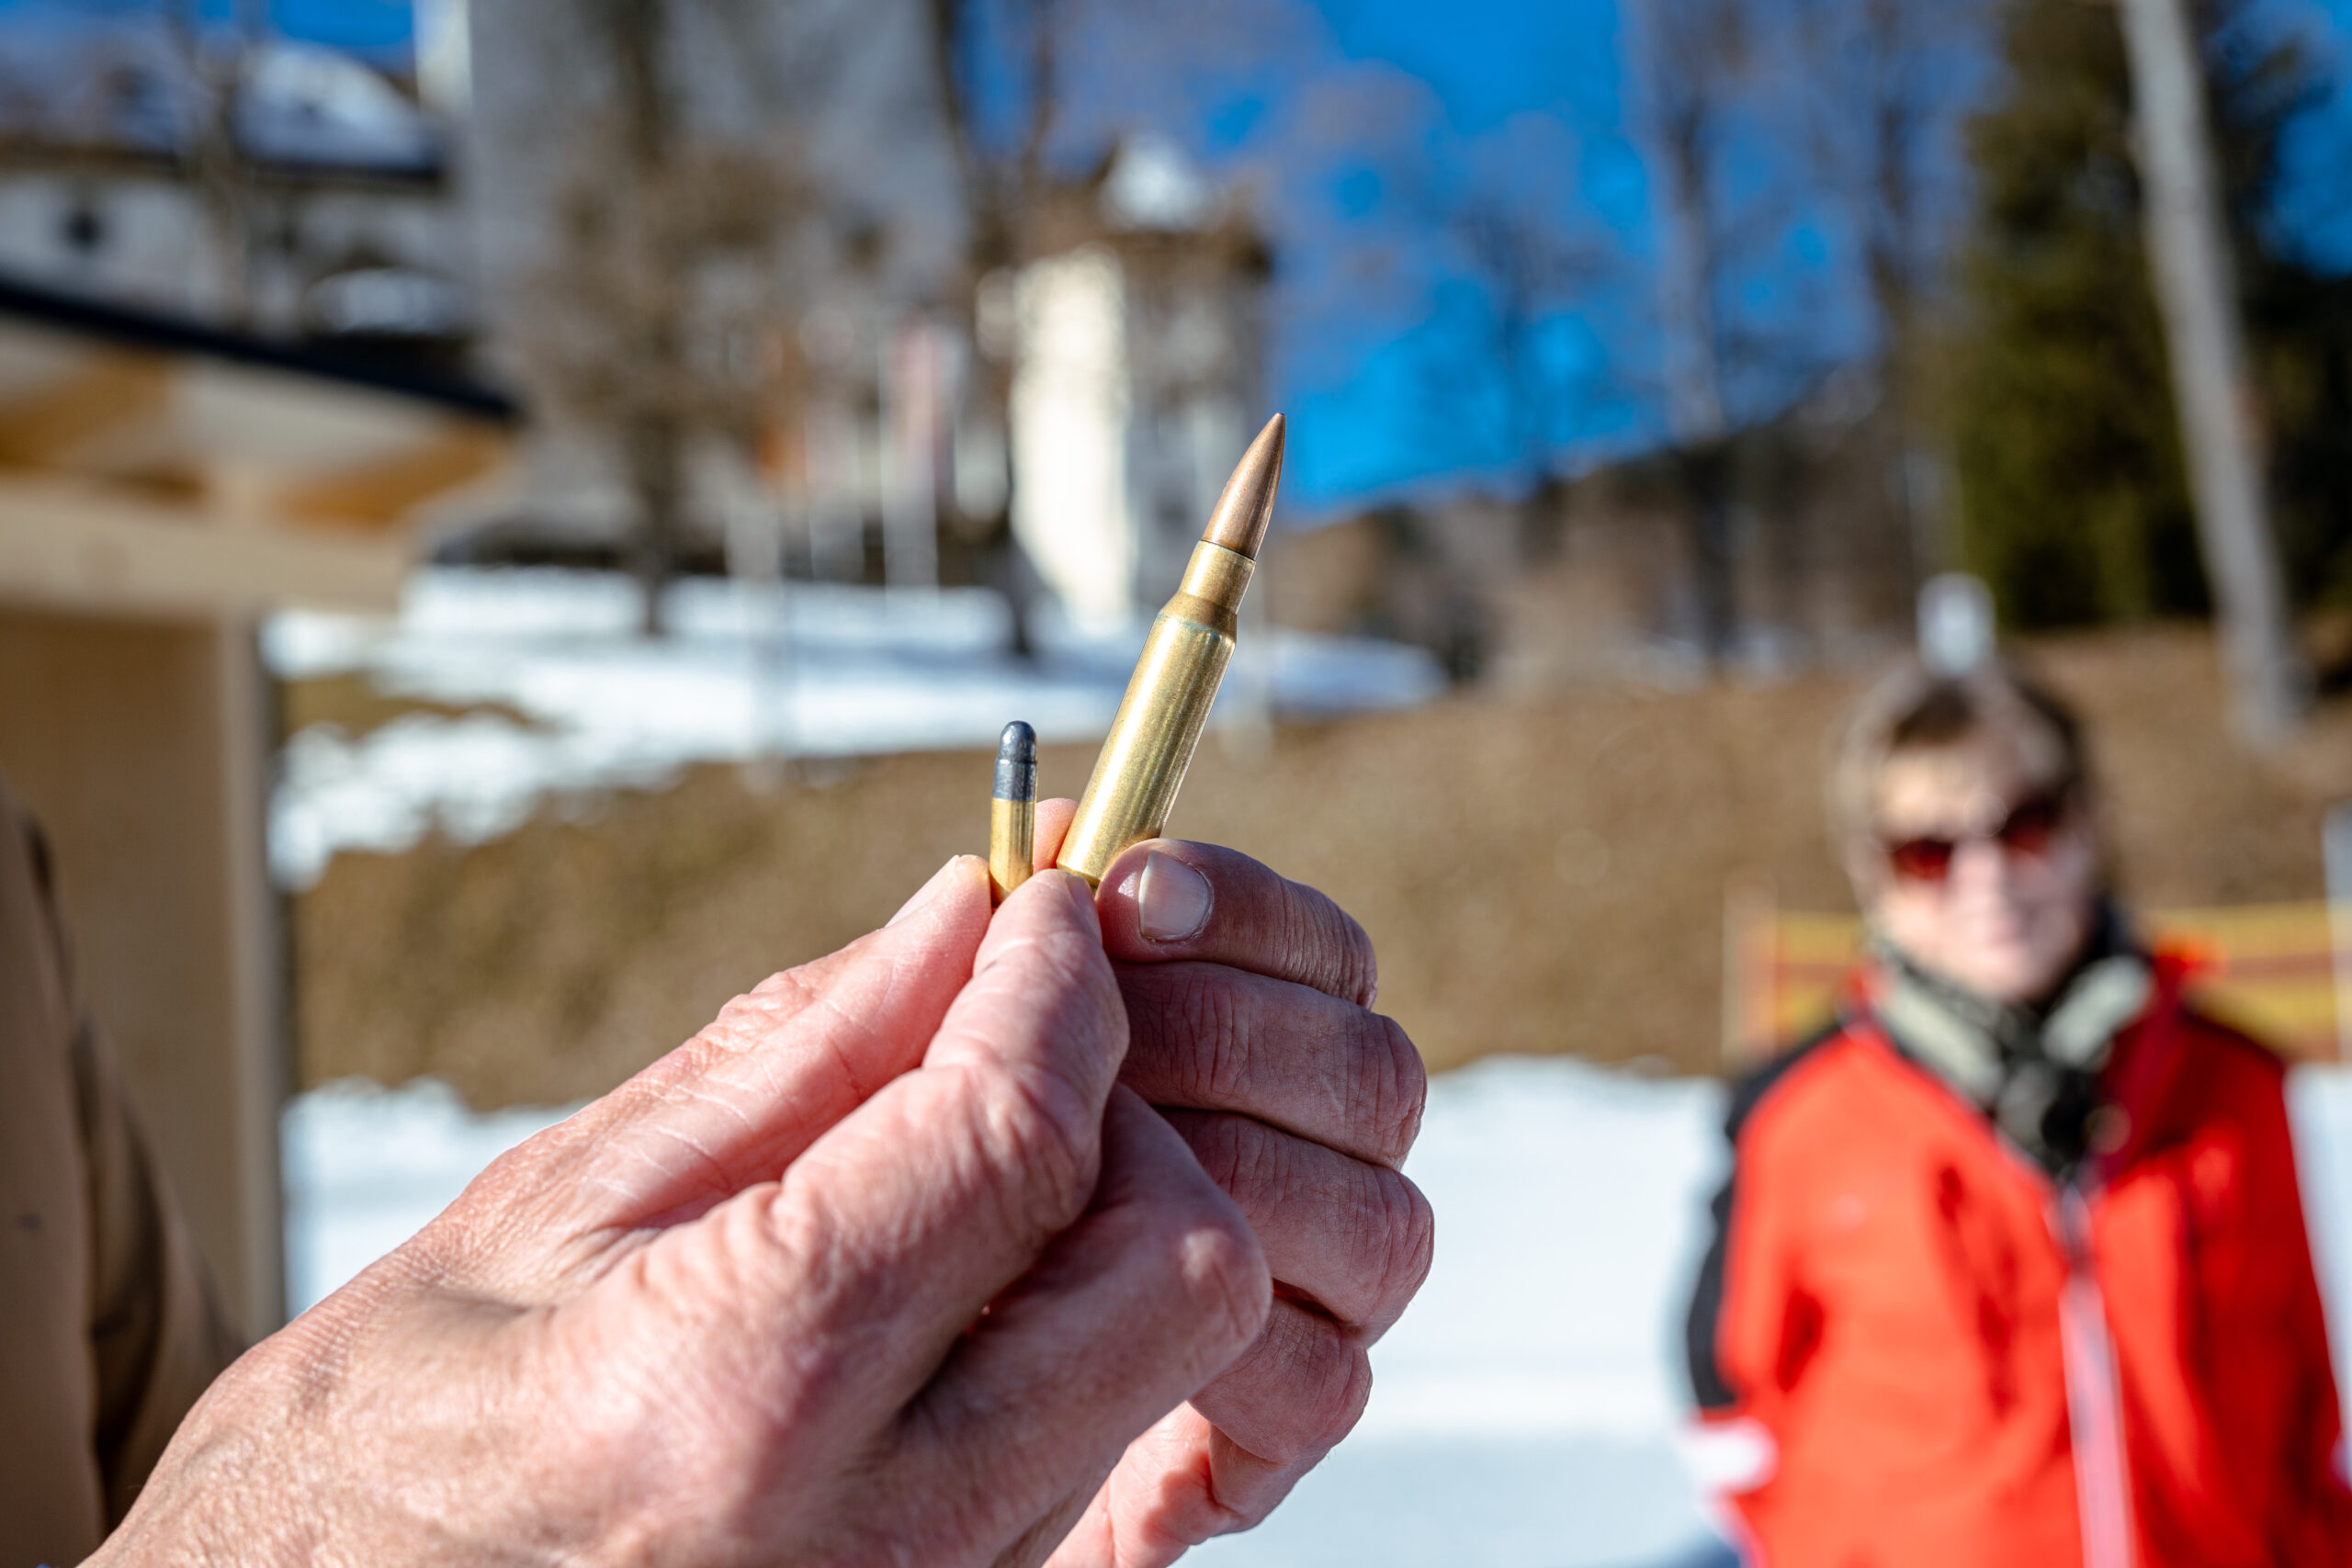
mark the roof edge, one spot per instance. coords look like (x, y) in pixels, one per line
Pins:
(135, 328)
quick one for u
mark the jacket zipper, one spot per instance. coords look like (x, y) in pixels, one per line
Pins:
(2094, 1403)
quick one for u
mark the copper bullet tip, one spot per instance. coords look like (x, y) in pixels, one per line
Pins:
(1246, 505)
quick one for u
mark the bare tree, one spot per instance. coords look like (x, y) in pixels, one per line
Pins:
(1533, 268)
(1881, 98)
(216, 62)
(2188, 253)
(1005, 183)
(1717, 99)
(664, 307)
(1696, 55)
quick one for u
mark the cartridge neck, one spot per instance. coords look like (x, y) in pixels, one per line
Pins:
(1217, 575)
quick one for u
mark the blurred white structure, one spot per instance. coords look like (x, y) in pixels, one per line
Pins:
(1069, 433)
(1138, 376)
(1955, 623)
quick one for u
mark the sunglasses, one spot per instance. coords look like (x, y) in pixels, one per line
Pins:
(2026, 830)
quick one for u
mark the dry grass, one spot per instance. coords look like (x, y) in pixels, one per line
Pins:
(356, 706)
(1539, 877)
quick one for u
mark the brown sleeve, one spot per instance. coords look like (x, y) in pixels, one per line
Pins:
(157, 1338)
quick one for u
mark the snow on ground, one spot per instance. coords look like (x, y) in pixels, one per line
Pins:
(751, 670)
(364, 1167)
(1523, 1411)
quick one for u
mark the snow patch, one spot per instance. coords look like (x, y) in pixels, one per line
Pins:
(365, 1168)
(751, 671)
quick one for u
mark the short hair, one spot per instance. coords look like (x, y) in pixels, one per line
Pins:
(1914, 708)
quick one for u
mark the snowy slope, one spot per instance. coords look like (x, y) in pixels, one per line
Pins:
(1524, 1410)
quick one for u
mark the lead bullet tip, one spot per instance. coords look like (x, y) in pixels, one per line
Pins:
(1246, 506)
(1016, 764)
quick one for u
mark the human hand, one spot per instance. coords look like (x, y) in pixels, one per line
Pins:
(883, 1266)
(1250, 1027)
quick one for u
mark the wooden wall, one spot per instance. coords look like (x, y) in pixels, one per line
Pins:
(141, 747)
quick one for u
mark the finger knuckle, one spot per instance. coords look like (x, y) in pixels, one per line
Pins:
(1301, 1389)
(1327, 945)
(1333, 1397)
(1398, 1242)
(1389, 1089)
(748, 1020)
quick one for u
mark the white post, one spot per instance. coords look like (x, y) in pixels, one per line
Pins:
(836, 541)
(912, 364)
(2188, 258)
(1955, 623)
(762, 603)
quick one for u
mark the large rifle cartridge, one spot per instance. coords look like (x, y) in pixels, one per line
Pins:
(1143, 760)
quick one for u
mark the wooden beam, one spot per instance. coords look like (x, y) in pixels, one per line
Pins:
(242, 441)
(73, 546)
(385, 491)
(107, 394)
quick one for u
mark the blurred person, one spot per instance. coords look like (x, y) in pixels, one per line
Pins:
(2011, 1267)
(1059, 1231)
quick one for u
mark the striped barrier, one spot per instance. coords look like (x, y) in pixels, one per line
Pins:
(2282, 972)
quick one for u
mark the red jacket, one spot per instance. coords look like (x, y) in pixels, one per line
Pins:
(1894, 1298)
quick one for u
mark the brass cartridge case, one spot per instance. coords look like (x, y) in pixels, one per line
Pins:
(1012, 842)
(1143, 762)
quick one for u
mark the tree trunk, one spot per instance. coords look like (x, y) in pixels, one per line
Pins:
(1706, 476)
(2196, 294)
(650, 450)
(1684, 90)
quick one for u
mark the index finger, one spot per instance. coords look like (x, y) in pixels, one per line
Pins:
(1168, 899)
(888, 1236)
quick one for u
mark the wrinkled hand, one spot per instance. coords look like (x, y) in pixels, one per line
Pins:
(1252, 1030)
(882, 1267)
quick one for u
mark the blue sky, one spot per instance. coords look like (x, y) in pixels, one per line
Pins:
(365, 26)
(379, 28)
(1364, 430)
(1491, 66)
(1489, 59)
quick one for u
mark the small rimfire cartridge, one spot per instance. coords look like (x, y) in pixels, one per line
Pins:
(1143, 762)
(1012, 810)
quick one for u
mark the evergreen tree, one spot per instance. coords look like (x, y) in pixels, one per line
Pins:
(2074, 504)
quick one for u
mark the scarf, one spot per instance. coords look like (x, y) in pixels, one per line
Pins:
(2034, 1072)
